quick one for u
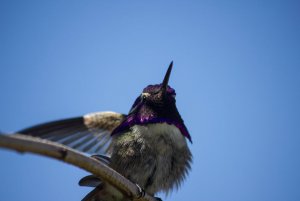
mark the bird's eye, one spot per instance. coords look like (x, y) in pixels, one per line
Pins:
(145, 95)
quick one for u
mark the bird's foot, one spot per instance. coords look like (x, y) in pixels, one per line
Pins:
(141, 192)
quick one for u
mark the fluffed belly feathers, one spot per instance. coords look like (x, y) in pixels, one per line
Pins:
(155, 156)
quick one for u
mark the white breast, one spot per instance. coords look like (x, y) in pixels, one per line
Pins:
(156, 156)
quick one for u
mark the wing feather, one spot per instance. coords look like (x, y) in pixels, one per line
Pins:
(89, 133)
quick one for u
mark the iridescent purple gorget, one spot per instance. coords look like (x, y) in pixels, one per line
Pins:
(160, 109)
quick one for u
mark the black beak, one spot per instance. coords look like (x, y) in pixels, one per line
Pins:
(166, 79)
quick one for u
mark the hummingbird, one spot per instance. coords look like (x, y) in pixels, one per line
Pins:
(148, 145)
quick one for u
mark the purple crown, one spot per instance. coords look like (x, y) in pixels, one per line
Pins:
(157, 87)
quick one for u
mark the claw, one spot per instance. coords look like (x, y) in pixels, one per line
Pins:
(141, 191)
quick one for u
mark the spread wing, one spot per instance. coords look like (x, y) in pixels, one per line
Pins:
(89, 133)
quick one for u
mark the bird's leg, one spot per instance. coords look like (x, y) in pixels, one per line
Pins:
(141, 191)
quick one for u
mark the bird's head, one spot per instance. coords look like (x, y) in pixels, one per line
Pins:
(155, 99)
(156, 104)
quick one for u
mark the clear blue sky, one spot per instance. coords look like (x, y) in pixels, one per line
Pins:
(236, 74)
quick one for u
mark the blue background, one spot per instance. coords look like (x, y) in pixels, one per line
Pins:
(236, 74)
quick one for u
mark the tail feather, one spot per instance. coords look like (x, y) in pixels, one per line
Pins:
(105, 192)
(102, 191)
(90, 181)
(92, 196)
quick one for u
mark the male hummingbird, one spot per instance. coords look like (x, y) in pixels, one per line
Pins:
(147, 145)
